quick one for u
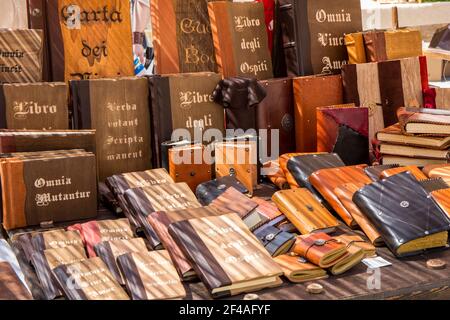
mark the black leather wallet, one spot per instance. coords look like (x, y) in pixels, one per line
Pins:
(275, 241)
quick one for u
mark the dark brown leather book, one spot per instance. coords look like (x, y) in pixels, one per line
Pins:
(182, 37)
(11, 288)
(98, 44)
(21, 55)
(183, 101)
(43, 140)
(240, 39)
(151, 276)
(48, 189)
(225, 255)
(118, 109)
(313, 34)
(40, 106)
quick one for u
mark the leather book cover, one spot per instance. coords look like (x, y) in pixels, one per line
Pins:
(48, 190)
(413, 152)
(182, 37)
(11, 288)
(283, 161)
(375, 44)
(320, 249)
(34, 106)
(442, 198)
(414, 170)
(54, 239)
(89, 39)
(374, 172)
(183, 101)
(9, 256)
(309, 95)
(45, 261)
(95, 232)
(438, 171)
(88, 280)
(313, 34)
(43, 140)
(118, 109)
(304, 211)
(225, 255)
(424, 122)
(297, 270)
(21, 55)
(109, 251)
(344, 130)
(234, 201)
(354, 256)
(208, 191)
(187, 164)
(161, 220)
(240, 39)
(409, 220)
(356, 49)
(325, 181)
(276, 112)
(151, 276)
(354, 240)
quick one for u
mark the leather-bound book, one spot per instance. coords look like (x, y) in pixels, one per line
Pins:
(354, 256)
(21, 55)
(297, 269)
(313, 34)
(344, 130)
(45, 261)
(182, 37)
(409, 220)
(98, 44)
(209, 191)
(54, 239)
(418, 162)
(355, 48)
(276, 112)
(88, 280)
(304, 211)
(309, 95)
(374, 172)
(424, 122)
(160, 221)
(354, 240)
(413, 152)
(43, 140)
(39, 106)
(11, 288)
(240, 39)
(183, 101)
(118, 109)
(225, 255)
(234, 201)
(151, 276)
(274, 172)
(48, 189)
(325, 181)
(95, 232)
(109, 251)
(438, 171)
(393, 135)
(384, 87)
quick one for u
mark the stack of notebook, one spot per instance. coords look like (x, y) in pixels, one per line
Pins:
(422, 137)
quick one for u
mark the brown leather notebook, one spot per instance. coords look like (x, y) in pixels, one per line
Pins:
(234, 201)
(56, 239)
(413, 169)
(11, 288)
(354, 240)
(424, 122)
(304, 211)
(438, 171)
(151, 276)
(353, 257)
(355, 48)
(297, 269)
(276, 175)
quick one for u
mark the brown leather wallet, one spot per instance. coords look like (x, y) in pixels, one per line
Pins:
(297, 269)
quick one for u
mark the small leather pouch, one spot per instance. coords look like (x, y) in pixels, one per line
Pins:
(304, 211)
(275, 241)
(208, 191)
(320, 249)
(234, 201)
(187, 164)
(297, 269)
(413, 169)
(374, 172)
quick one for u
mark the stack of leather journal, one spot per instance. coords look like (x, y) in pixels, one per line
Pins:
(421, 138)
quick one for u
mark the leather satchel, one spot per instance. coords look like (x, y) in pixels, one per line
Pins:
(11, 288)
(275, 241)
(416, 172)
(320, 249)
(409, 220)
(304, 211)
(297, 269)
(325, 181)
(208, 191)
(344, 130)
(308, 96)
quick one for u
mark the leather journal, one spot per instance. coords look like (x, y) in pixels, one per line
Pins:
(415, 171)
(48, 189)
(118, 109)
(374, 172)
(109, 251)
(304, 211)
(11, 288)
(344, 130)
(409, 220)
(297, 269)
(354, 240)
(208, 191)
(183, 101)
(167, 145)
(283, 162)
(95, 232)
(355, 48)
(240, 39)
(308, 96)
(313, 34)
(182, 37)
(98, 44)
(151, 276)
(160, 221)
(424, 122)
(438, 171)
(88, 280)
(234, 201)
(54, 239)
(274, 239)
(21, 59)
(325, 181)
(39, 106)
(225, 255)
(413, 152)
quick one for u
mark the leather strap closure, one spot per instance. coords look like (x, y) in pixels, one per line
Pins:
(319, 243)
